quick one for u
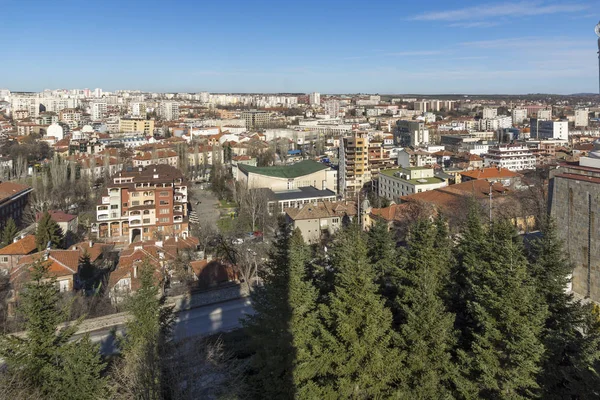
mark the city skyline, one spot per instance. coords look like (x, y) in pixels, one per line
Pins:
(476, 48)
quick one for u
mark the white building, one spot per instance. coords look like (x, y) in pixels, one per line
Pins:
(544, 114)
(314, 98)
(97, 93)
(519, 115)
(512, 157)
(332, 108)
(395, 183)
(581, 117)
(489, 113)
(169, 110)
(549, 129)
(99, 110)
(493, 124)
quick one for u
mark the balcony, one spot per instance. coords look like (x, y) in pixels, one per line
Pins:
(135, 222)
(102, 217)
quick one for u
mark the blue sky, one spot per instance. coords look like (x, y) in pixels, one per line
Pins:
(347, 46)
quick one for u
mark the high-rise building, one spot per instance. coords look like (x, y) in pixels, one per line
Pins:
(99, 110)
(97, 93)
(138, 109)
(544, 114)
(354, 163)
(314, 98)
(519, 115)
(144, 203)
(412, 133)
(256, 119)
(549, 129)
(332, 108)
(136, 125)
(581, 117)
(489, 113)
(169, 110)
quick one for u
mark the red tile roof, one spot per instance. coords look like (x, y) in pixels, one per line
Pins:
(57, 216)
(9, 189)
(490, 173)
(20, 247)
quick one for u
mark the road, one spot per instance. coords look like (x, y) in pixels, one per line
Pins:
(207, 211)
(199, 321)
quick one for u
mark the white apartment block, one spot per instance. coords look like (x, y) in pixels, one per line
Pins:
(332, 108)
(512, 157)
(581, 117)
(169, 110)
(519, 115)
(314, 98)
(98, 110)
(493, 124)
(489, 113)
(544, 114)
(395, 183)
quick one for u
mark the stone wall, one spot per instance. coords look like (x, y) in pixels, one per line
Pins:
(574, 206)
(203, 298)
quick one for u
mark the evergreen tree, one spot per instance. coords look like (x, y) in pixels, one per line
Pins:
(426, 335)
(284, 328)
(9, 233)
(570, 335)
(47, 360)
(86, 270)
(502, 359)
(148, 333)
(48, 231)
(359, 360)
(382, 249)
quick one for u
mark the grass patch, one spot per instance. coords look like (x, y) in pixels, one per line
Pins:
(225, 224)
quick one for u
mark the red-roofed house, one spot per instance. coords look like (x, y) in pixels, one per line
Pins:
(67, 222)
(492, 174)
(11, 254)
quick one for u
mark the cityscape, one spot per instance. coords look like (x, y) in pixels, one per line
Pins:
(388, 236)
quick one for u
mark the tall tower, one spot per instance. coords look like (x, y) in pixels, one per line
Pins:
(598, 34)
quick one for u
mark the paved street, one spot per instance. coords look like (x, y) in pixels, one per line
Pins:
(199, 321)
(207, 211)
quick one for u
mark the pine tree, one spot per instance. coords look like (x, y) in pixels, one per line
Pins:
(86, 270)
(48, 231)
(359, 360)
(9, 233)
(426, 335)
(382, 249)
(569, 363)
(148, 333)
(48, 361)
(502, 359)
(284, 326)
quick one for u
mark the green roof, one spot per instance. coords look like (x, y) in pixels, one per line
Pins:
(418, 181)
(301, 168)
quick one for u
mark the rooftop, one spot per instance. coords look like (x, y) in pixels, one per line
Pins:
(301, 168)
(323, 209)
(9, 189)
(304, 192)
(489, 173)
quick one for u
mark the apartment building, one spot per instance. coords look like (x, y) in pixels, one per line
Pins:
(99, 110)
(354, 169)
(256, 119)
(513, 157)
(412, 133)
(136, 125)
(489, 113)
(143, 203)
(493, 124)
(395, 183)
(519, 115)
(314, 98)
(70, 116)
(13, 198)
(582, 117)
(169, 110)
(549, 129)
(154, 157)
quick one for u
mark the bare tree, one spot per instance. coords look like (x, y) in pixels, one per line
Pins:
(253, 204)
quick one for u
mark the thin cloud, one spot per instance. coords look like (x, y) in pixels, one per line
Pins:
(489, 11)
(479, 24)
(525, 42)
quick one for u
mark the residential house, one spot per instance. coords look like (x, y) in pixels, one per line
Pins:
(11, 254)
(321, 219)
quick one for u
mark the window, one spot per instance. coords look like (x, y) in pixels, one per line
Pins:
(145, 230)
(135, 194)
(177, 227)
(164, 193)
(4, 259)
(164, 211)
(146, 220)
(135, 203)
(114, 206)
(164, 203)
(124, 204)
(166, 219)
